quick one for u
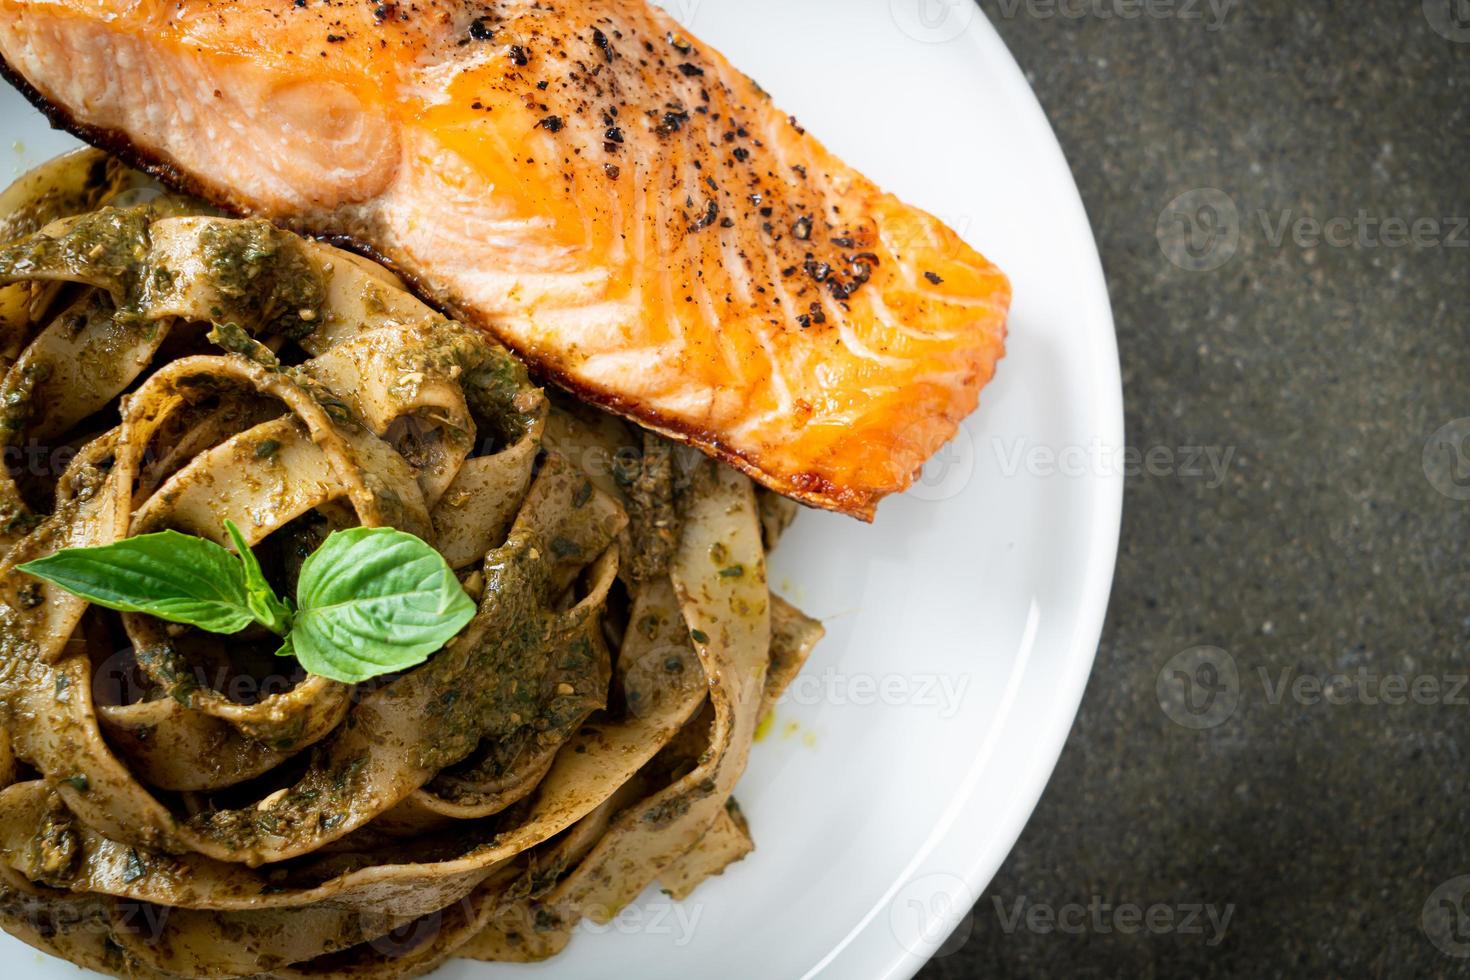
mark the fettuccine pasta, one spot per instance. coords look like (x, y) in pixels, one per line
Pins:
(185, 804)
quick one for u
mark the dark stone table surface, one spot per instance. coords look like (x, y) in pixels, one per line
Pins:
(1303, 763)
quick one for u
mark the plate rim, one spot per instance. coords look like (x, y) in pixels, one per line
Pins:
(1101, 555)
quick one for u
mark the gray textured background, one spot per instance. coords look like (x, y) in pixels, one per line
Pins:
(1328, 551)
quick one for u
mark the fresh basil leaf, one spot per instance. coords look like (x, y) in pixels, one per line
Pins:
(173, 576)
(371, 601)
(264, 604)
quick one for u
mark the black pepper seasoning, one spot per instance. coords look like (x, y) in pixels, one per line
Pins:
(711, 212)
(673, 120)
(600, 39)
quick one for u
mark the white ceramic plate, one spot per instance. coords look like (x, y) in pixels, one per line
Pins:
(962, 625)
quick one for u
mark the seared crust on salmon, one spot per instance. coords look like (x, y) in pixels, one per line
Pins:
(605, 194)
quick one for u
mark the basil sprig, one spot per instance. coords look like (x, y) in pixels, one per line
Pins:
(264, 605)
(369, 601)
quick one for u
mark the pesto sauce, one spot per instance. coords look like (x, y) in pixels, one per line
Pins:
(233, 338)
(653, 518)
(264, 277)
(495, 387)
(104, 249)
(533, 670)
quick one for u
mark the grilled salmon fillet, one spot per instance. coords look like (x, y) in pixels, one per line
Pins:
(604, 193)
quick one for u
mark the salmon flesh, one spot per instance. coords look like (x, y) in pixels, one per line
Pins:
(601, 191)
